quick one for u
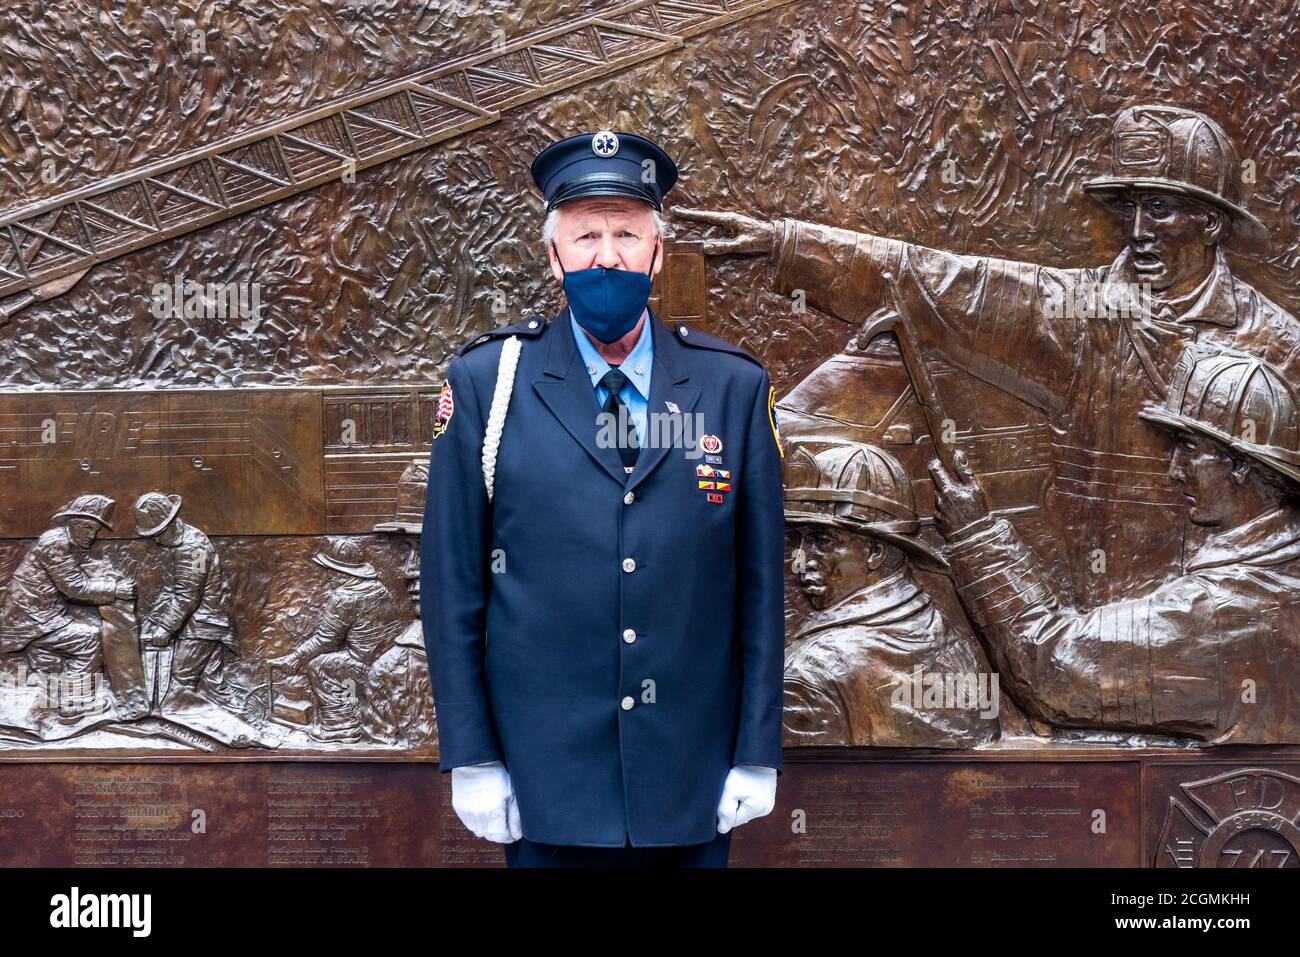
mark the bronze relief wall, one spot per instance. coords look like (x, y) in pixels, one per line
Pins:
(353, 179)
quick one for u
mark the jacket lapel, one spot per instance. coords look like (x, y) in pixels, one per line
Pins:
(667, 384)
(566, 389)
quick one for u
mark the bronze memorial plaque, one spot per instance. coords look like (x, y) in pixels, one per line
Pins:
(1025, 278)
(948, 814)
(217, 815)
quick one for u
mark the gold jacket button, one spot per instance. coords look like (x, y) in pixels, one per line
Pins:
(628, 498)
(628, 703)
(629, 636)
(629, 565)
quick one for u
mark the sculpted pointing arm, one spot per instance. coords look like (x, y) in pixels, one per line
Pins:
(996, 319)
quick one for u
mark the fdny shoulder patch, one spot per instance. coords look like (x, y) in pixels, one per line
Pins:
(446, 406)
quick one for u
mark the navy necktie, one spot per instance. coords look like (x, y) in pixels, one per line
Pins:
(613, 381)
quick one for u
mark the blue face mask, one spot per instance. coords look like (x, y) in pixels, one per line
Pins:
(607, 302)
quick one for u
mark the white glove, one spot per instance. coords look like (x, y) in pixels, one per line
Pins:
(484, 800)
(748, 792)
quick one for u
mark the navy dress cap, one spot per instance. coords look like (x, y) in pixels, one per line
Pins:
(604, 163)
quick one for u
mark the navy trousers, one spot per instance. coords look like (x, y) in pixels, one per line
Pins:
(526, 853)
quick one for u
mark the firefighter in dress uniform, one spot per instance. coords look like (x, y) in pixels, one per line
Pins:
(603, 553)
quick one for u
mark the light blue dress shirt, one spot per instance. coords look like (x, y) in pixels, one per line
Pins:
(637, 366)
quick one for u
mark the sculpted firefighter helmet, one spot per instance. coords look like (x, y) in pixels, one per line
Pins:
(859, 488)
(345, 555)
(1182, 152)
(98, 507)
(1237, 401)
(154, 512)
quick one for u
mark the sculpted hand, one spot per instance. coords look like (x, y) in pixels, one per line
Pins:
(125, 588)
(958, 501)
(748, 792)
(287, 663)
(484, 800)
(752, 237)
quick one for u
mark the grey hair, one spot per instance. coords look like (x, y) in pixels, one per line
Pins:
(553, 218)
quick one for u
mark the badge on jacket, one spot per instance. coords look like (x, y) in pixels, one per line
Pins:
(445, 408)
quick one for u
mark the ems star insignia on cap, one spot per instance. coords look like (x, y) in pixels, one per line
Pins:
(445, 408)
(604, 144)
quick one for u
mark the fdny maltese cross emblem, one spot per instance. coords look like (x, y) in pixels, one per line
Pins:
(1243, 818)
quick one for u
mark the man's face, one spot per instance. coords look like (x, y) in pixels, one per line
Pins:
(82, 531)
(1205, 472)
(169, 535)
(830, 564)
(1169, 237)
(610, 231)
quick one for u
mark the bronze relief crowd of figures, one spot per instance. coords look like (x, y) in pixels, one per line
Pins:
(95, 655)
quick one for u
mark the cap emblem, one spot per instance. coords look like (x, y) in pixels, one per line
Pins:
(604, 144)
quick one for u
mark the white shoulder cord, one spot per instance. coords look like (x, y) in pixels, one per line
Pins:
(497, 415)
